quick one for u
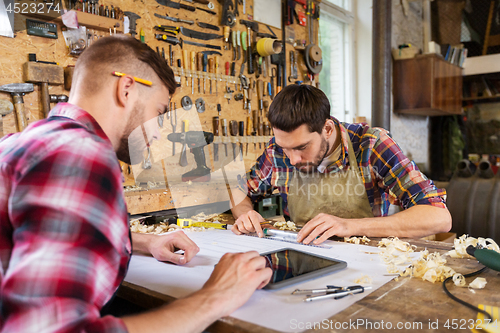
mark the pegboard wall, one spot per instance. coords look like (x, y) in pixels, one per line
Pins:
(15, 52)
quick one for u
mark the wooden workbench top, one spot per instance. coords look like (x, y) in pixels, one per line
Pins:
(408, 301)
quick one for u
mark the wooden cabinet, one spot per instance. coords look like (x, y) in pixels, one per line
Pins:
(427, 85)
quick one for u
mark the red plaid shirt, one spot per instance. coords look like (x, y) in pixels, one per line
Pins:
(64, 237)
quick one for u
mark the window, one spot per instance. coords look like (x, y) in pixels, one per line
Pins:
(335, 41)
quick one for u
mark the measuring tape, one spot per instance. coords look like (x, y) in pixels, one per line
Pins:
(285, 236)
(188, 223)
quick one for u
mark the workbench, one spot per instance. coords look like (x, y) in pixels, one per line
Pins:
(403, 300)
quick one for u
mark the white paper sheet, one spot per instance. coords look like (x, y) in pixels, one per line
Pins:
(278, 310)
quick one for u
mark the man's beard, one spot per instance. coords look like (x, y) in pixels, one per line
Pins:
(312, 166)
(123, 152)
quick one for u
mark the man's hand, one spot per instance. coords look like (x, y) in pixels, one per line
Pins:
(163, 247)
(235, 278)
(324, 225)
(247, 223)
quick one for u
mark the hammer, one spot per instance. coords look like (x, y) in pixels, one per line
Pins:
(255, 27)
(44, 74)
(6, 108)
(17, 91)
(133, 17)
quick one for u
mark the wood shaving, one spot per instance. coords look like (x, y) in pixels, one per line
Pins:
(395, 252)
(357, 240)
(478, 283)
(429, 267)
(365, 279)
(460, 246)
(282, 225)
(459, 280)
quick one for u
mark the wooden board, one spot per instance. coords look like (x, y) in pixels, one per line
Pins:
(408, 300)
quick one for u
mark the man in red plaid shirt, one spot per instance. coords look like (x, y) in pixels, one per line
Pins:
(64, 234)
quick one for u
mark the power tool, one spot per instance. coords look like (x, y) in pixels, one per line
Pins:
(196, 141)
(486, 257)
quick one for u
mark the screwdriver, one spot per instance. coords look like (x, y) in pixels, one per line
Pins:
(260, 90)
(205, 63)
(241, 132)
(255, 116)
(185, 127)
(260, 131)
(244, 46)
(216, 74)
(226, 37)
(227, 72)
(186, 65)
(249, 130)
(193, 70)
(216, 133)
(199, 68)
(179, 64)
(233, 129)
(224, 132)
(211, 68)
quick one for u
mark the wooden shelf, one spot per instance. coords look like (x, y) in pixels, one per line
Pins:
(427, 86)
(482, 64)
(481, 98)
(88, 20)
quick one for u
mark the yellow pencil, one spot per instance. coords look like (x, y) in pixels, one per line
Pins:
(145, 82)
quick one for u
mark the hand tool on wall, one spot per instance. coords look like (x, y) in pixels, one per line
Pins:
(58, 98)
(233, 40)
(233, 73)
(233, 129)
(171, 55)
(17, 91)
(195, 141)
(173, 123)
(278, 79)
(185, 58)
(6, 107)
(215, 123)
(244, 45)
(211, 70)
(293, 67)
(44, 74)
(238, 43)
(260, 130)
(228, 65)
(183, 160)
(193, 70)
(186, 103)
(133, 17)
(174, 19)
(199, 69)
(207, 10)
(245, 86)
(255, 125)
(249, 130)
(241, 132)
(200, 105)
(224, 132)
(168, 39)
(175, 5)
(227, 31)
(205, 64)
(273, 82)
(216, 75)
(260, 92)
(255, 27)
(208, 46)
(265, 104)
(208, 26)
(228, 18)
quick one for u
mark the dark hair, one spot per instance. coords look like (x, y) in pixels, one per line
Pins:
(119, 52)
(296, 105)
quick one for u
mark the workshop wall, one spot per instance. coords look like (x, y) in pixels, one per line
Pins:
(15, 53)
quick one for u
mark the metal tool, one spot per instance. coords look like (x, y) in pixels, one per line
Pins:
(174, 19)
(173, 122)
(211, 70)
(175, 5)
(17, 91)
(6, 107)
(208, 26)
(224, 132)
(205, 65)
(233, 39)
(193, 70)
(196, 141)
(133, 17)
(186, 103)
(293, 67)
(233, 130)
(228, 18)
(200, 105)
(227, 32)
(199, 68)
(215, 122)
(249, 130)
(208, 46)
(146, 163)
(238, 43)
(207, 11)
(183, 160)
(241, 132)
(43, 74)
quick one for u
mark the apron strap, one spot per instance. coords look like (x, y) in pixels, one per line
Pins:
(353, 163)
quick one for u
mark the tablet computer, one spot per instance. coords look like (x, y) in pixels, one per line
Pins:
(292, 266)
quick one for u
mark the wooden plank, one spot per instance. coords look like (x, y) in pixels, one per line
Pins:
(408, 300)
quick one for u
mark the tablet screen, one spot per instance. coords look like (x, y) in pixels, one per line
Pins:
(288, 263)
